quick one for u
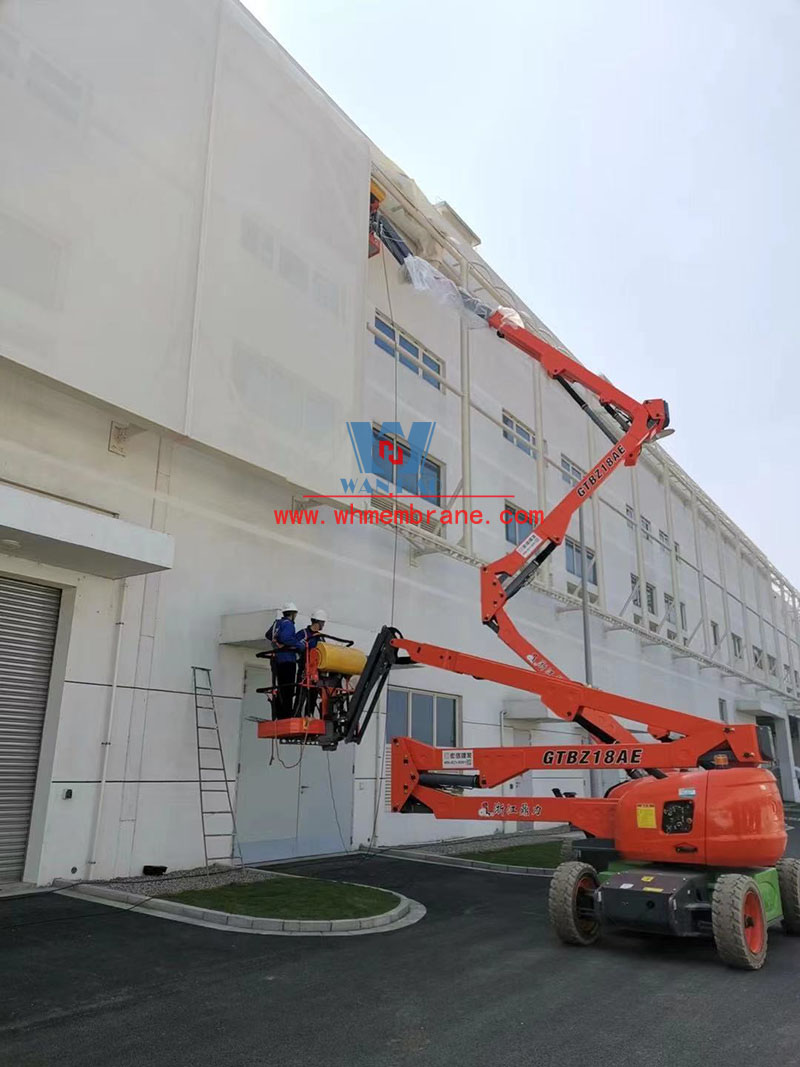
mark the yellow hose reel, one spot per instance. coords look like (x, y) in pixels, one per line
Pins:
(335, 659)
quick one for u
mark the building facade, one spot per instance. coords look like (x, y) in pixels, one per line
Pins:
(189, 317)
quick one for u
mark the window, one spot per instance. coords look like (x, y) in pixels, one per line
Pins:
(424, 480)
(652, 598)
(787, 676)
(637, 593)
(427, 717)
(684, 627)
(385, 329)
(575, 561)
(645, 524)
(714, 634)
(772, 664)
(519, 434)
(663, 537)
(669, 611)
(520, 527)
(738, 647)
(758, 657)
(677, 549)
(796, 680)
(722, 704)
(629, 515)
(570, 472)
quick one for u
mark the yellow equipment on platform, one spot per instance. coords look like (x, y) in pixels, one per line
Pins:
(334, 659)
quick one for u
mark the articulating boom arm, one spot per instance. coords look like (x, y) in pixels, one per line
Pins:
(636, 425)
(424, 776)
(440, 780)
(684, 740)
(639, 423)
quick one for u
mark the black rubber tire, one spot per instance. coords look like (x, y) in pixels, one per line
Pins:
(567, 850)
(729, 924)
(789, 881)
(562, 903)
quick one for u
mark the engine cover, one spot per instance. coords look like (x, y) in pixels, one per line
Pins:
(731, 817)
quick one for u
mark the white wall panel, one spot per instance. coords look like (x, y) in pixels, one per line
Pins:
(167, 826)
(68, 833)
(101, 192)
(277, 368)
(82, 729)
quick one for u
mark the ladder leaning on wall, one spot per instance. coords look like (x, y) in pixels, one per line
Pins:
(217, 818)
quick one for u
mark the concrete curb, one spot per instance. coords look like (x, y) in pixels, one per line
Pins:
(457, 861)
(404, 914)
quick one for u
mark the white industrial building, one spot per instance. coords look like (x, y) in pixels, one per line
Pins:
(189, 316)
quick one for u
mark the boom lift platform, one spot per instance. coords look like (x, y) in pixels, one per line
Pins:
(691, 843)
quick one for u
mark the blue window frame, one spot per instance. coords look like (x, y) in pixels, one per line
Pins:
(395, 336)
(637, 592)
(518, 529)
(387, 330)
(570, 472)
(519, 434)
(574, 556)
(428, 717)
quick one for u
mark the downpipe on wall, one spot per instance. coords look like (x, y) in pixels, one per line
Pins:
(91, 861)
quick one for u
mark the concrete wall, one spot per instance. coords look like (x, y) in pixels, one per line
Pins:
(171, 169)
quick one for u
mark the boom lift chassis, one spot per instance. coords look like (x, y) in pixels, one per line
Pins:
(689, 843)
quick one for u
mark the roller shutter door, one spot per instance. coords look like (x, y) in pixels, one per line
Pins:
(28, 621)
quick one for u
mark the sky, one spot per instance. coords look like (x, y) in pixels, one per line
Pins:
(633, 170)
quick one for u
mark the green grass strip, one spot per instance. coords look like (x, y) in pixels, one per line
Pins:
(292, 898)
(543, 854)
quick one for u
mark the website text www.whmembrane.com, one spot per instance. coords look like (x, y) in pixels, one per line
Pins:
(405, 516)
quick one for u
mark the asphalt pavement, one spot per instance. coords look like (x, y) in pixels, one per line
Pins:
(481, 980)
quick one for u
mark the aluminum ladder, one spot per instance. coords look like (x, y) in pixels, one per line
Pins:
(217, 818)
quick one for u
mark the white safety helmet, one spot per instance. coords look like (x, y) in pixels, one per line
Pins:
(319, 615)
(289, 606)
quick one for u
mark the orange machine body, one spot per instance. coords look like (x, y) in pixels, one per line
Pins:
(737, 819)
(728, 817)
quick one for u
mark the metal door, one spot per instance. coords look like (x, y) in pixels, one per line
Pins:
(28, 624)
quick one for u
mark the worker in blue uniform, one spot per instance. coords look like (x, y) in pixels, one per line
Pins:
(311, 636)
(287, 645)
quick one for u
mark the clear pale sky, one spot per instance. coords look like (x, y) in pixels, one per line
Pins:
(633, 170)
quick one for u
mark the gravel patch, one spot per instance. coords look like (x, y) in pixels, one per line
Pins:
(196, 878)
(489, 842)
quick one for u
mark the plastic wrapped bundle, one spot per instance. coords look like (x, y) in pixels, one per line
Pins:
(426, 278)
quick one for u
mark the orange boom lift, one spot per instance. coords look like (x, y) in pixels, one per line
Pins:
(690, 844)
